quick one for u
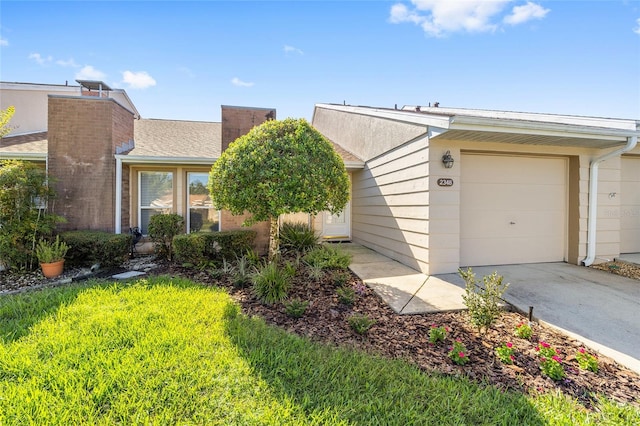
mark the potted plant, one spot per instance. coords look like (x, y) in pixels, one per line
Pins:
(51, 256)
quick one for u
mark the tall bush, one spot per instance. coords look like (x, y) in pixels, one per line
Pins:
(24, 217)
(483, 302)
(162, 229)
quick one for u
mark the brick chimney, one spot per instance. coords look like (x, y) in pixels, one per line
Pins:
(83, 134)
(237, 121)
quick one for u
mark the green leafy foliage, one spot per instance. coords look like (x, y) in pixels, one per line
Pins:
(458, 353)
(523, 331)
(437, 334)
(5, 117)
(297, 237)
(346, 294)
(162, 229)
(587, 361)
(88, 247)
(360, 323)
(296, 308)
(483, 302)
(25, 219)
(51, 251)
(271, 282)
(328, 256)
(197, 248)
(279, 167)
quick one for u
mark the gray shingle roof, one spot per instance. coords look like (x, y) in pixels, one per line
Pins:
(176, 139)
(32, 143)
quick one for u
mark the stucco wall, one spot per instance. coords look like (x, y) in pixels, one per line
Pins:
(365, 136)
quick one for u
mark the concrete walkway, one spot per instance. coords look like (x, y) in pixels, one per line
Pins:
(597, 308)
(404, 289)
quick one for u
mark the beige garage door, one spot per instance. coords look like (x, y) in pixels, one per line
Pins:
(512, 209)
(630, 206)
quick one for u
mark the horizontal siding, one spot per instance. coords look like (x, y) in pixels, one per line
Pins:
(390, 204)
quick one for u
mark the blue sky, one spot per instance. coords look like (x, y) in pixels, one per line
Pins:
(182, 60)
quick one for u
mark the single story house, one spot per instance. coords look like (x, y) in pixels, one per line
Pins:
(432, 187)
(444, 188)
(114, 169)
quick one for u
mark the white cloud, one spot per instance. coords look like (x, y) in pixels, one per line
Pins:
(291, 49)
(39, 59)
(88, 72)
(529, 11)
(637, 29)
(138, 80)
(68, 63)
(439, 18)
(4, 42)
(237, 82)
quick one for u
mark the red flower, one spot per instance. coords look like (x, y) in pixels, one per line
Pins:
(513, 358)
(461, 354)
(545, 344)
(509, 344)
(581, 350)
(556, 358)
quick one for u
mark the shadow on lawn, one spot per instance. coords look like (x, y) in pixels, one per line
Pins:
(365, 389)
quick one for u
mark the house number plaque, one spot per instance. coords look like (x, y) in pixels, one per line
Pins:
(445, 182)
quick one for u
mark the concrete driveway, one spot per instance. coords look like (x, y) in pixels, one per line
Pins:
(598, 308)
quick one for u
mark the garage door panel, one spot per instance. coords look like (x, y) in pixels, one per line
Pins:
(485, 196)
(513, 210)
(630, 206)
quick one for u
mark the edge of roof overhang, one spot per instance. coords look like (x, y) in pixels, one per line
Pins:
(619, 134)
(134, 159)
(23, 156)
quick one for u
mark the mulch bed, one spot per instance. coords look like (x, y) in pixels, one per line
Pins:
(407, 336)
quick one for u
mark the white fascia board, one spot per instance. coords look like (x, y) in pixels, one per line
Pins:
(129, 159)
(4, 85)
(350, 165)
(575, 120)
(540, 128)
(23, 156)
(395, 115)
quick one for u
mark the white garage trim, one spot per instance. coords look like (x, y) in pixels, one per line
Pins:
(513, 209)
(630, 205)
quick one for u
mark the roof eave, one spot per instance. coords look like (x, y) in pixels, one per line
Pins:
(142, 159)
(23, 156)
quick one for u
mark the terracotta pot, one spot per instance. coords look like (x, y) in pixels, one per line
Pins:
(52, 270)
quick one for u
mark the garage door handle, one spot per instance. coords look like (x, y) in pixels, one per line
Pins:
(512, 223)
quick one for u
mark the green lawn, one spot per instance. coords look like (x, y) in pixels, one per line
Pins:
(166, 351)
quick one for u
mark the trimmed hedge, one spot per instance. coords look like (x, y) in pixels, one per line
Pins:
(199, 247)
(89, 247)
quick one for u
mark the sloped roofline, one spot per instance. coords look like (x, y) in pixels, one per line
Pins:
(445, 119)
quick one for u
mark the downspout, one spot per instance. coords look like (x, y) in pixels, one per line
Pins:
(593, 197)
(118, 215)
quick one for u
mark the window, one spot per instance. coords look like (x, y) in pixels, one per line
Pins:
(155, 191)
(201, 215)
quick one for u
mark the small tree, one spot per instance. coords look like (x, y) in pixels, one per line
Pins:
(279, 167)
(24, 195)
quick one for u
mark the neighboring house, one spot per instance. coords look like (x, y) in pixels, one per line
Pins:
(113, 169)
(445, 188)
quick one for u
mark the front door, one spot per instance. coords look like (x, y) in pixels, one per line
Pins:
(337, 227)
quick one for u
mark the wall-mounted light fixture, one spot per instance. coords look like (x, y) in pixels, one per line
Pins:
(447, 160)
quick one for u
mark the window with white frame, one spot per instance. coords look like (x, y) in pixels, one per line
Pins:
(155, 196)
(201, 215)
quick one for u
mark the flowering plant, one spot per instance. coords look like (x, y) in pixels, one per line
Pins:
(437, 334)
(505, 353)
(458, 353)
(587, 361)
(550, 362)
(523, 331)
